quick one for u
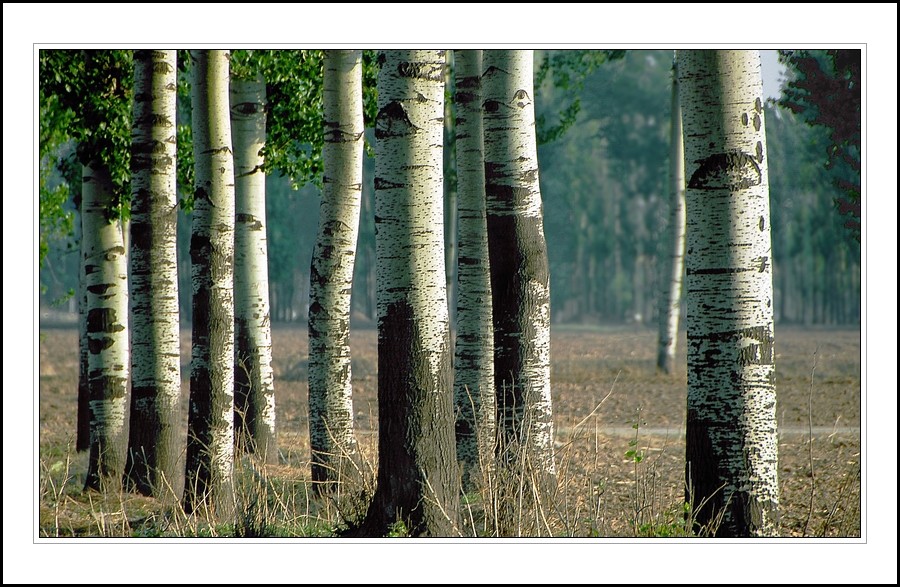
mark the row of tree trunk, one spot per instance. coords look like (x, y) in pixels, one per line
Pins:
(230, 296)
(731, 442)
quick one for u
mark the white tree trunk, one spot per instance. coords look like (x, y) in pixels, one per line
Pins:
(331, 273)
(210, 455)
(83, 432)
(254, 418)
(473, 390)
(732, 442)
(520, 276)
(670, 298)
(153, 443)
(417, 479)
(106, 285)
(451, 197)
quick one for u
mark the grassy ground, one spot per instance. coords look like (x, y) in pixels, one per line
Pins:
(610, 406)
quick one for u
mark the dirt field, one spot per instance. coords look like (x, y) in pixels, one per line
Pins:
(819, 406)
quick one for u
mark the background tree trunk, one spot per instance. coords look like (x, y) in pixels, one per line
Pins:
(83, 432)
(670, 300)
(451, 196)
(732, 441)
(254, 380)
(473, 390)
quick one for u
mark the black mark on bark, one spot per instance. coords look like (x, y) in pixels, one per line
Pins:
(733, 170)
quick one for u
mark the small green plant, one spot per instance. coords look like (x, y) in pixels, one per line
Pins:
(633, 453)
(675, 522)
(648, 518)
(398, 530)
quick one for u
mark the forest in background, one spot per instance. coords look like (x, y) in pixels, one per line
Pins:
(606, 209)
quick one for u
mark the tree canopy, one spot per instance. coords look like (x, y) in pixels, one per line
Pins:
(825, 90)
(93, 90)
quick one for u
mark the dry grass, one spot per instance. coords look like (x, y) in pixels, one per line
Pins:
(620, 473)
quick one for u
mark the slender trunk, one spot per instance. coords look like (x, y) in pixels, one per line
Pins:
(417, 481)
(331, 439)
(591, 281)
(106, 284)
(520, 276)
(254, 380)
(451, 195)
(473, 390)
(210, 449)
(670, 300)
(153, 442)
(615, 284)
(83, 433)
(732, 442)
(639, 284)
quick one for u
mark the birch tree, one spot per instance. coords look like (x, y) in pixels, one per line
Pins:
(732, 442)
(670, 298)
(417, 481)
(520, 277)
(451, 198)
(331, 437)
(210, 448)
(254, 380)
(153, 441)
(473, 390)
(83, 419)
(90, 94)
(106, 286)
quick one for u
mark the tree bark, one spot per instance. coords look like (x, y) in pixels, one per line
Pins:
(417, 480)
(153, 442)
(732, 448)
(254, 380)
(210, 449)
(83, 426)
(473, 390)
(520, 276)
(106, 285)
(670, 300)
(331, 439)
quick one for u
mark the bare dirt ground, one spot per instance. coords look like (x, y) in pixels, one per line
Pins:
(604, 381)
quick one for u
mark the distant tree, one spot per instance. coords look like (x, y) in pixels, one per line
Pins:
(56, 221)
(825, 89)
(731, 437)
(331, 438)
(154, 443)
(93, 91)
(670, 298)
(417, 482)
(254, 379)
(816, 270)
(473, 389)
(210, 445)
(520, 277)
(567, 70)
(608, 193)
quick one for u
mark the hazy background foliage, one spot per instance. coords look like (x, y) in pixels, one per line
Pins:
(604, 120)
